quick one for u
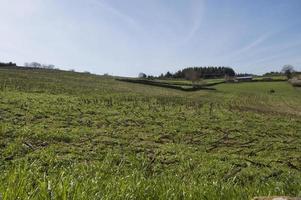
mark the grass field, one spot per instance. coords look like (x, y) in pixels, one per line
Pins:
(67, 135)
(270, 77)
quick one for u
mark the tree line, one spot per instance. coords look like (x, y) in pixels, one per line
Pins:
(197, 73)
(11, 64)
(30, 65)
(287, 70)
(39, 65)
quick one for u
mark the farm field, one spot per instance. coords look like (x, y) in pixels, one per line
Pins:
(68, 135)
(270, 77)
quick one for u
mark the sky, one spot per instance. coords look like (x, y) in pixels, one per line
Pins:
(125, 38)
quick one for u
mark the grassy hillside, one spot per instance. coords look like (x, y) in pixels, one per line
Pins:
(66, 135)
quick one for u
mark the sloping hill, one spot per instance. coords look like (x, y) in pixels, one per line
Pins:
(67, 135)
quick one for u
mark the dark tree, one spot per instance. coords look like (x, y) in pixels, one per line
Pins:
(10, 64)
(33, 65)
(168, 75)
(202, 72)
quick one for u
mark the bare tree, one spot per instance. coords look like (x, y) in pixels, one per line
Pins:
(288, 71)
(33, 64)
(193, 76)
(39, 65)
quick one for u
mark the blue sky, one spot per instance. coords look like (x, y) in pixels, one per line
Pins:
(127, 37)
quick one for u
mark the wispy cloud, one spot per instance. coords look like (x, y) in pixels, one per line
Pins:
(198, 11)
(261, 47)
(268, 53)
(254, 43)
(250, 46)
(276, 52)
(121, 15)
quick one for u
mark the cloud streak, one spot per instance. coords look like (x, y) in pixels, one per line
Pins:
(199, 7)
(122, 16)
(249, 47)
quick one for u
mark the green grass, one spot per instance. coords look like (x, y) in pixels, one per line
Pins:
(66, 135)
(270, 77)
